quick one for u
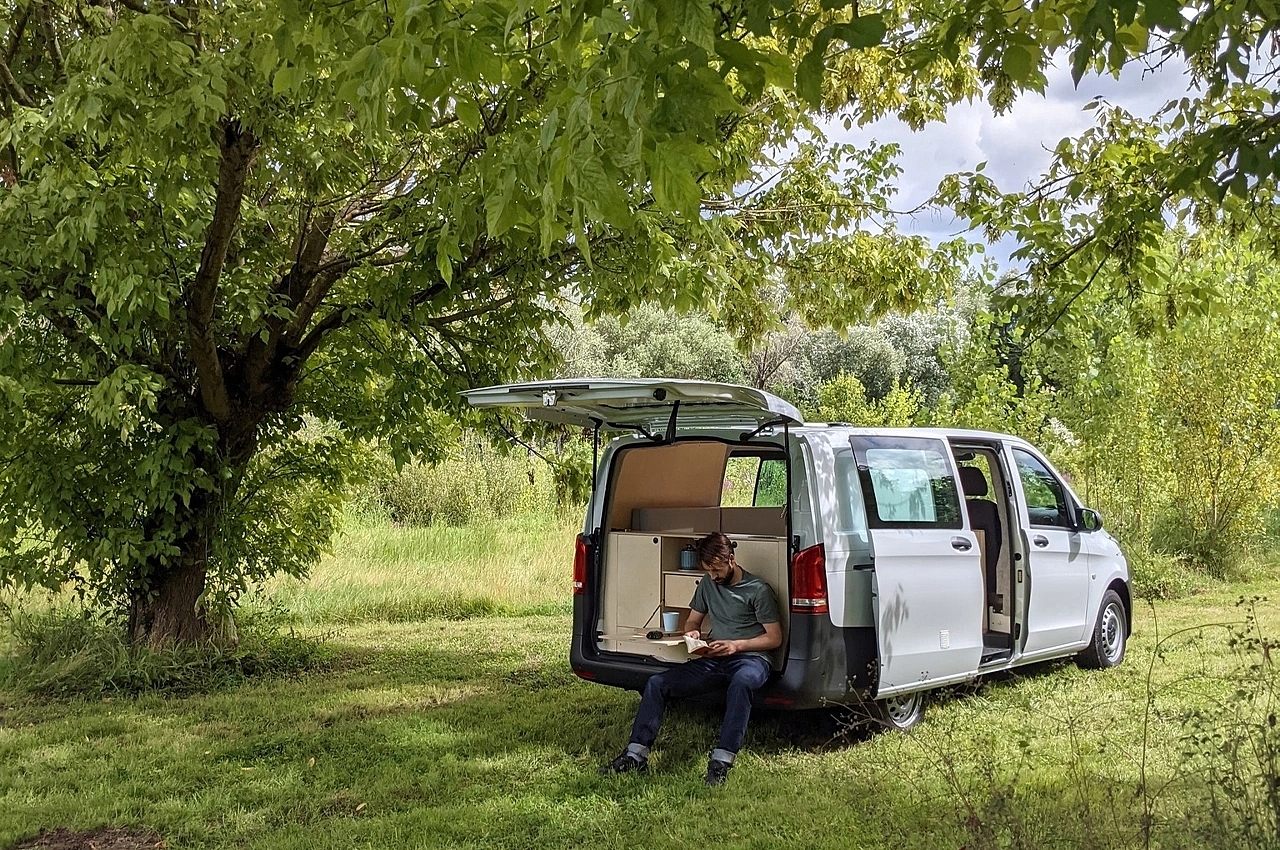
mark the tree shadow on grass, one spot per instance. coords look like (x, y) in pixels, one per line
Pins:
(476, 747)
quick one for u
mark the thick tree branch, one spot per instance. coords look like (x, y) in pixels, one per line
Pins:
(15, 34)
(15, 88)
(238, 147)
(345, 315)
(51, 37)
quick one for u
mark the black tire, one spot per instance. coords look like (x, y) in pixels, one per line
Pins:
(1110, 633)
(899, 713)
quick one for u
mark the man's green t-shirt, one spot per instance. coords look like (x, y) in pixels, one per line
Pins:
(738, 611)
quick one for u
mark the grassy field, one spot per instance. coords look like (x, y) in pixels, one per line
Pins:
(474, 733)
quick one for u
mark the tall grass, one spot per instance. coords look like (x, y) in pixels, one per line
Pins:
(519, 564)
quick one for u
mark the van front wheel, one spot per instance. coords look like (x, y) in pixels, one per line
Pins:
(1109, 635)
(900, 712)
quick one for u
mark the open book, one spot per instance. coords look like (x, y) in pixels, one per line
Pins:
(695, 645)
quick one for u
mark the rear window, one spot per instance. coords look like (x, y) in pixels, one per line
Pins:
(907, 482)
(754, 481)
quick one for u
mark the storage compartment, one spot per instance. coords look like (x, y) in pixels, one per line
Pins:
(642, 578)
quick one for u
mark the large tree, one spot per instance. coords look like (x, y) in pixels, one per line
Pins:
(221, 220)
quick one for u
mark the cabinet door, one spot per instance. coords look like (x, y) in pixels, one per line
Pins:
(637, 580)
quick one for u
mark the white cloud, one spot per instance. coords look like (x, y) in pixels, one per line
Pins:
(1016, 146)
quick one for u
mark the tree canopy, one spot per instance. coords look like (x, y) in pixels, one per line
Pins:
(220, 218)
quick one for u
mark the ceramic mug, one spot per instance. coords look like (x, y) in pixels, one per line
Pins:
(670, 621)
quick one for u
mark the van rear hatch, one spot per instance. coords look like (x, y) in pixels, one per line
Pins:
(649, 405)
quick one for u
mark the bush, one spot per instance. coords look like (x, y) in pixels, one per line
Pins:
(1159, 575)
(475, 483)
(78, 651)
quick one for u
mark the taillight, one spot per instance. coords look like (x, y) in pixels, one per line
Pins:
(580, 557)
(809, 581)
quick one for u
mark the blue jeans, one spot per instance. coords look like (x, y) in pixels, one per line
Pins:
(740, 675)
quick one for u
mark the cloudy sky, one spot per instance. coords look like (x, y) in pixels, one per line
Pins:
(1016, 146)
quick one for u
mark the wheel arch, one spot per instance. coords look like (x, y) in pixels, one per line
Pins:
(1121, 587)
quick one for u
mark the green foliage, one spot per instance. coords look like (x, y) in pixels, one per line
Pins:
(845, 400)
(73, 651)
(216, 226)
(651, 341)
(1218, 388)
(474, 483)
(864, 353)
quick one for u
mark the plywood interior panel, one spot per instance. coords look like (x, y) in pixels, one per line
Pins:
(636, 578)
(681, 475)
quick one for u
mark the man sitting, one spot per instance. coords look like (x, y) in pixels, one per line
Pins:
(745, 626)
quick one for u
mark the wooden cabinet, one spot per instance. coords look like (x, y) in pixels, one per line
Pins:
(642, 578)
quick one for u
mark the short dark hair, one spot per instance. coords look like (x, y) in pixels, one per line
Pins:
(716, 546)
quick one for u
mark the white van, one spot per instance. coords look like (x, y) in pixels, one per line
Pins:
(903, 559)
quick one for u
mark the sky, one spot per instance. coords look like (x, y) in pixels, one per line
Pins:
(1016, 145)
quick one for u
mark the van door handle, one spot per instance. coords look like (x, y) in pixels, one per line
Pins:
(1040, 540)
(961, 543)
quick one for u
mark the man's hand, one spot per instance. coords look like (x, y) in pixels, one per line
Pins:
(693, 633)
(722, 648)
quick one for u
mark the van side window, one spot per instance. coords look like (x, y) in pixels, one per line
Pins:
(754, 481)
(1045, 500)
(907, 483)
(851, 517)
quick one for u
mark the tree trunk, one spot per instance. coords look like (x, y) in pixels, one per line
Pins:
(169, 613)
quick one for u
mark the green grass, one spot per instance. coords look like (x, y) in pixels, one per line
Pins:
(520, 565)
(475, 733)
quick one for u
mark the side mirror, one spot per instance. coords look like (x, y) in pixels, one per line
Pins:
(1090, 520)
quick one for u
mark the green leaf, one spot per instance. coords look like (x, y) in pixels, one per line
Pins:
(809, 74)
(674, 187)
(861, 32)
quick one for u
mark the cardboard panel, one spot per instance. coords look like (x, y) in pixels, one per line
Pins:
(683, 475)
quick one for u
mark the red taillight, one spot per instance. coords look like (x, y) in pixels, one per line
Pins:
(580, 553)
(809, 581)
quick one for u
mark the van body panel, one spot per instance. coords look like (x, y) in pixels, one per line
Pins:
(928, 607)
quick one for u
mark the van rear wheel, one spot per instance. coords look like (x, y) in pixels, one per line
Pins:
(900, 712)
(1110, 632)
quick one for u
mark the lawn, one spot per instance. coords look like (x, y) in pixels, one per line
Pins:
(475, 733)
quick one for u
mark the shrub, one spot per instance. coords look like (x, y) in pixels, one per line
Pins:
(1159, 575)
(475, 483)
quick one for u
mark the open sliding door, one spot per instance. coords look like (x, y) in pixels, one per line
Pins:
(928, 570)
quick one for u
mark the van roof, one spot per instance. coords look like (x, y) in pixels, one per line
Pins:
(935, 433)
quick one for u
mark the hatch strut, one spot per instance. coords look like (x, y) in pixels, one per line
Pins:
(671, 423)
(595, 451)
(775, 423)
